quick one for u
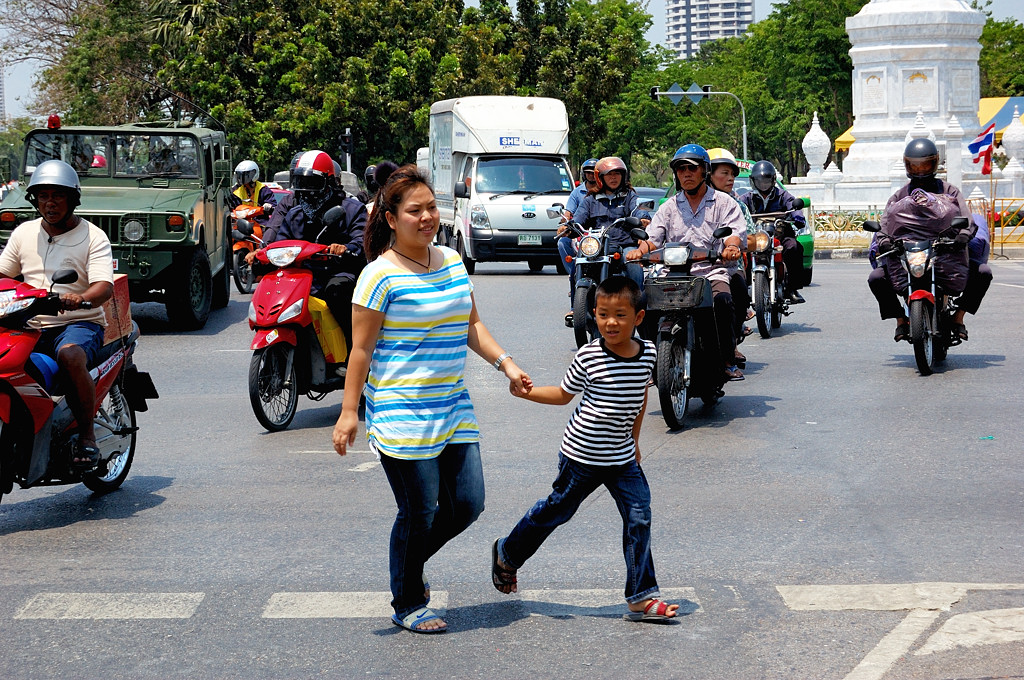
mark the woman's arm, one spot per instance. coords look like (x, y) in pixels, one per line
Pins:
(481, 342)
(366, 325)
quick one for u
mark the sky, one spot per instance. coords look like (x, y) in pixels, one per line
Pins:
(18, 78)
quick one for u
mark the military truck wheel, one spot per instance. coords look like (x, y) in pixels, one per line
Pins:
(190, 294)
(222, 288)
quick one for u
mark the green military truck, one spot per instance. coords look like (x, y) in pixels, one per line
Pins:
(159, 192)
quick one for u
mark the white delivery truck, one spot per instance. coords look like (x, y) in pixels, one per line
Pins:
(497, 164)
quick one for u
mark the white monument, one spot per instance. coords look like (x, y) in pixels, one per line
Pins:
(915, 69)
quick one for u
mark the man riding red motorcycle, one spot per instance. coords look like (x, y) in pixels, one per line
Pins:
(316, 192)
(62, 240)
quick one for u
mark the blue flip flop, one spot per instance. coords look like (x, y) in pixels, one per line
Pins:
(413, 620)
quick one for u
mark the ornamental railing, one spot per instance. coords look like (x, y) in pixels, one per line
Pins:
(841, 227)
(1005, 218)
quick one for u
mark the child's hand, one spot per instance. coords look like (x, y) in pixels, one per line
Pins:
(637, 455)
(519, 383)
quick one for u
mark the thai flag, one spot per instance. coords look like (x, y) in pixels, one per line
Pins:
(981, 147)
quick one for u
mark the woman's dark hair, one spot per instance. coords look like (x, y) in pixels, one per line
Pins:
(377, 235)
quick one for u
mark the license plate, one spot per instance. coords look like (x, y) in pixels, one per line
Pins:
(529, 239)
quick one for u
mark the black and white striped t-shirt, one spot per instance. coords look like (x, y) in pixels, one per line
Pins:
(600, 431)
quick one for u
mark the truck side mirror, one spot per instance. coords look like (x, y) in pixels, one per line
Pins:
(461, 190)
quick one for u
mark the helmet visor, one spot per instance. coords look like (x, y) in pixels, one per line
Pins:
(921, 167)
(312, 183)
(762, 184)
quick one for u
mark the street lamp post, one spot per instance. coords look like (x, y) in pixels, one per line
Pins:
(675, 94)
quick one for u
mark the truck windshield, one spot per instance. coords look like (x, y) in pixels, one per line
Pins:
(518, 174)
(125, 155)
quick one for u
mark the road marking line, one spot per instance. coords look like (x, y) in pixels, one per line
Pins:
(1008, 285)
(894, 645)
(336, 605)
(327, 451)
(234, 350)
(997, 626)
(111, 606)
(883, 596)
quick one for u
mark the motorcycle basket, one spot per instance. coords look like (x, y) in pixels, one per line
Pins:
(669, 294)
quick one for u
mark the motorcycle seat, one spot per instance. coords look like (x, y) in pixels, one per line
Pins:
(109, 349)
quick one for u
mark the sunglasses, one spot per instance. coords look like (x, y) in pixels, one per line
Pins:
(688, 168)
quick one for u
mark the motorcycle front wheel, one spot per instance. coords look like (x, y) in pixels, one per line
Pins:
(273, 395)
(921, 335)
(762, 295)
(116, 418)
(244, 278)
(582, 327)
(673, 379)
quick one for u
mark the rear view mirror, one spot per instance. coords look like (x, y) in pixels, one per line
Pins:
(633, 221)
(555, 211)
(222, 172)
(960, 223)
(871, 225)
(65, 276)
(461, 190)
(639, 234)
(799, 204)
(647, 204)
(722, 232)
(244, 227)
(333, 216)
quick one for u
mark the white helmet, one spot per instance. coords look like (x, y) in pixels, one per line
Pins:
(55, 173)
(246, 172)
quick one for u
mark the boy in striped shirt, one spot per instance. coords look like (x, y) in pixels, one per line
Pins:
(599, 447)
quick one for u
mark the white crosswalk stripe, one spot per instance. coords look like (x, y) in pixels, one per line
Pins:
(111, 606)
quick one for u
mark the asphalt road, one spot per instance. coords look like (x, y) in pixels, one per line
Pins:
(835, 516)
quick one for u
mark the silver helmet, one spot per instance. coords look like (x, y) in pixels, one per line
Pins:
(246, 172)
(55, 173)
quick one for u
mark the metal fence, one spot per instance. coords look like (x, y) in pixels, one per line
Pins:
(1005, 221)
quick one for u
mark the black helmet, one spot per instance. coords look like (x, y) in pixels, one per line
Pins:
(921, 158)
(371, 183)
(762, 176)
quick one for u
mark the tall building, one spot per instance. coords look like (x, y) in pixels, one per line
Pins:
(3, 99)
(691, 23)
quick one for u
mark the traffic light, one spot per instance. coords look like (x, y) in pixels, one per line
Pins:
(347, 142)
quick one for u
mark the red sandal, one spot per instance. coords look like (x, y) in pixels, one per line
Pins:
(656, 611)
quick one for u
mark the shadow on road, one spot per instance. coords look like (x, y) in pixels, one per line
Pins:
(78, 504)
(953, 361)
(152, 318)
(728, 409)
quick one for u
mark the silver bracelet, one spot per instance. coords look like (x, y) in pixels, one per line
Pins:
(497, 362)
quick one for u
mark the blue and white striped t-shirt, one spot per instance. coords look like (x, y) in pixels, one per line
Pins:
(600, 430)
(416, 402)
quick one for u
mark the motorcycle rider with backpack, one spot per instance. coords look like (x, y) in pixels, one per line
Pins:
(921, 160)
(767, 197)
(316, 191)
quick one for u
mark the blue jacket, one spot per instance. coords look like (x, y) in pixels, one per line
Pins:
(599, 210)
(348, 232)
(776, 201)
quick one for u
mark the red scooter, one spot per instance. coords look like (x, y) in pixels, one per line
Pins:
(299, 346)
(38, 433)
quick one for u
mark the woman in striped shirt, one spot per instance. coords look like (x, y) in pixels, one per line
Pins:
(413, 315)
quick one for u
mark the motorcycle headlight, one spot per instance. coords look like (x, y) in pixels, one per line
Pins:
(282, 257)
(761, 240)
(917, 261)
(252, 312)
(293, 310)
(676, 255)
(590, 246)
(9, 304)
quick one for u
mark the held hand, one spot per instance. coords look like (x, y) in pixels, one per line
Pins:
(250, 257)
(519, 383)
(634, 255)
(637, 455)
(336, 249)
(731, 253)
(345, 431)
(962, 239)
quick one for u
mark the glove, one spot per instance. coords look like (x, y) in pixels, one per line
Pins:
(268, 208)
(884, 243)
(962, 239)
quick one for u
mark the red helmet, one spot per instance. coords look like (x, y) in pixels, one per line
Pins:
(610, 164)
(313, 172)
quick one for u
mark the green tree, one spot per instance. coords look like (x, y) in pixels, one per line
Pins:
(1002, 54)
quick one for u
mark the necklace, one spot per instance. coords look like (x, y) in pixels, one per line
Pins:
(425, 266)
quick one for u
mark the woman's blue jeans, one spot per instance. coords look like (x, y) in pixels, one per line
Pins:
(437, 499)
(632, 495)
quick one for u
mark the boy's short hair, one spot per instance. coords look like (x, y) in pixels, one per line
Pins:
(621, 285)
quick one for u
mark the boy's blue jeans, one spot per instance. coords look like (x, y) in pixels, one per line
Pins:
(437, 499)
(632, 495)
